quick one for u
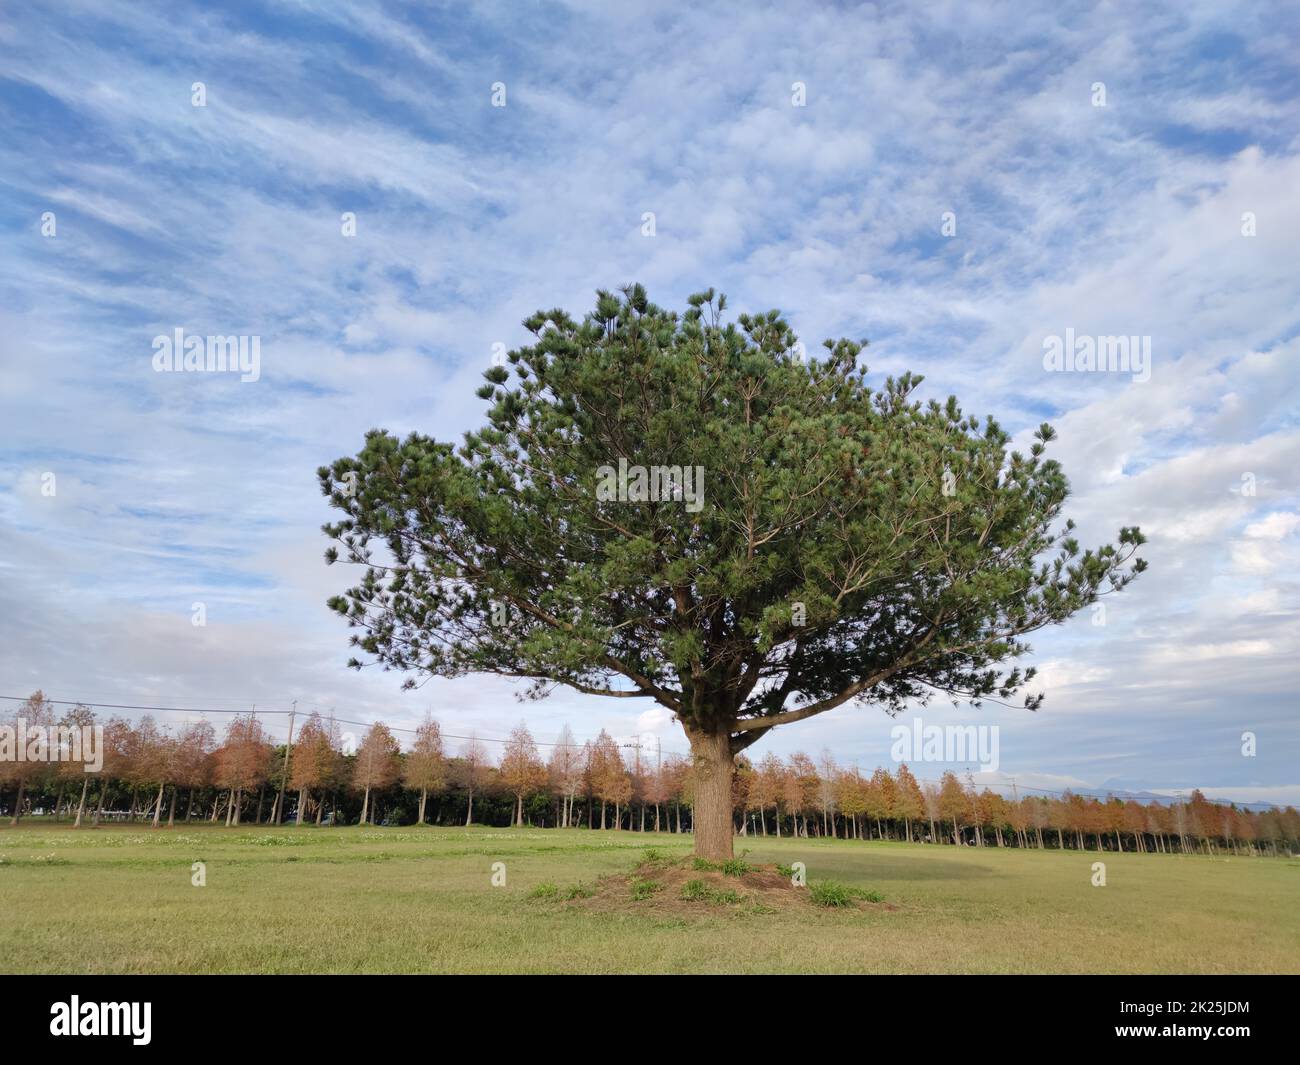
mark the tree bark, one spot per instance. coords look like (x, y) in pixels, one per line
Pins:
(157, 806)
(713, 761)
(81, 807)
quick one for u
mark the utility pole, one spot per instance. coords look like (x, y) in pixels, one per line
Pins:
(284, 777)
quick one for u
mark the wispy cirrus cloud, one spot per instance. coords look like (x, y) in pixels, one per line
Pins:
(1126, 219)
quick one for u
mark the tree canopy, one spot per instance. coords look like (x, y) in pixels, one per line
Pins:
(784, 536)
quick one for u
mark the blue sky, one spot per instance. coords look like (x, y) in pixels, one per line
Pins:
(1127, 218)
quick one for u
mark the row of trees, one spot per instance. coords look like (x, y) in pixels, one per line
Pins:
(820, 798)
(599, 784)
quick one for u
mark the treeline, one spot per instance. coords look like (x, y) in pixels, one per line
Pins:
(151, 774)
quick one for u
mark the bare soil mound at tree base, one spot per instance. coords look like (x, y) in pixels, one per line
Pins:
(667, 886)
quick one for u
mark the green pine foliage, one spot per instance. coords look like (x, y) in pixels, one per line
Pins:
(854, 542)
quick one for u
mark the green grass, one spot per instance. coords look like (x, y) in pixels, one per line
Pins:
(699, 891)
(833, 893)
(645, 889)
(730, 867)
(287, 900)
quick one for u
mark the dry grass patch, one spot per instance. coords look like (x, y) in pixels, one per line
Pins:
(666, 885)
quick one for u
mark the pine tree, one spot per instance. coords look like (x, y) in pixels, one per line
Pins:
(676, 508)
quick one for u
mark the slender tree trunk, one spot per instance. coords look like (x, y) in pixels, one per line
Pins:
(171, 810)
(81, 806)
(469, 814)
(157, 806)
(189, 806)
(424, 798)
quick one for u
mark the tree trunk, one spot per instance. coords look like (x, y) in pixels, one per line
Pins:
(81, 807)
(302, 797)
(171, 811)
(424, 798)
(157, 806)
(711, 813)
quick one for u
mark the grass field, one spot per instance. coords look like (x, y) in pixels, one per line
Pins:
(285, 900)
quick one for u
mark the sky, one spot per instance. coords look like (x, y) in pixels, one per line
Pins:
(955, 185)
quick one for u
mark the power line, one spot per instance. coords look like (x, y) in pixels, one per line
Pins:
(253, 711)
(542, 743)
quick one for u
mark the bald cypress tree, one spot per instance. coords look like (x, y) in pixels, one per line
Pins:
(681, 509)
